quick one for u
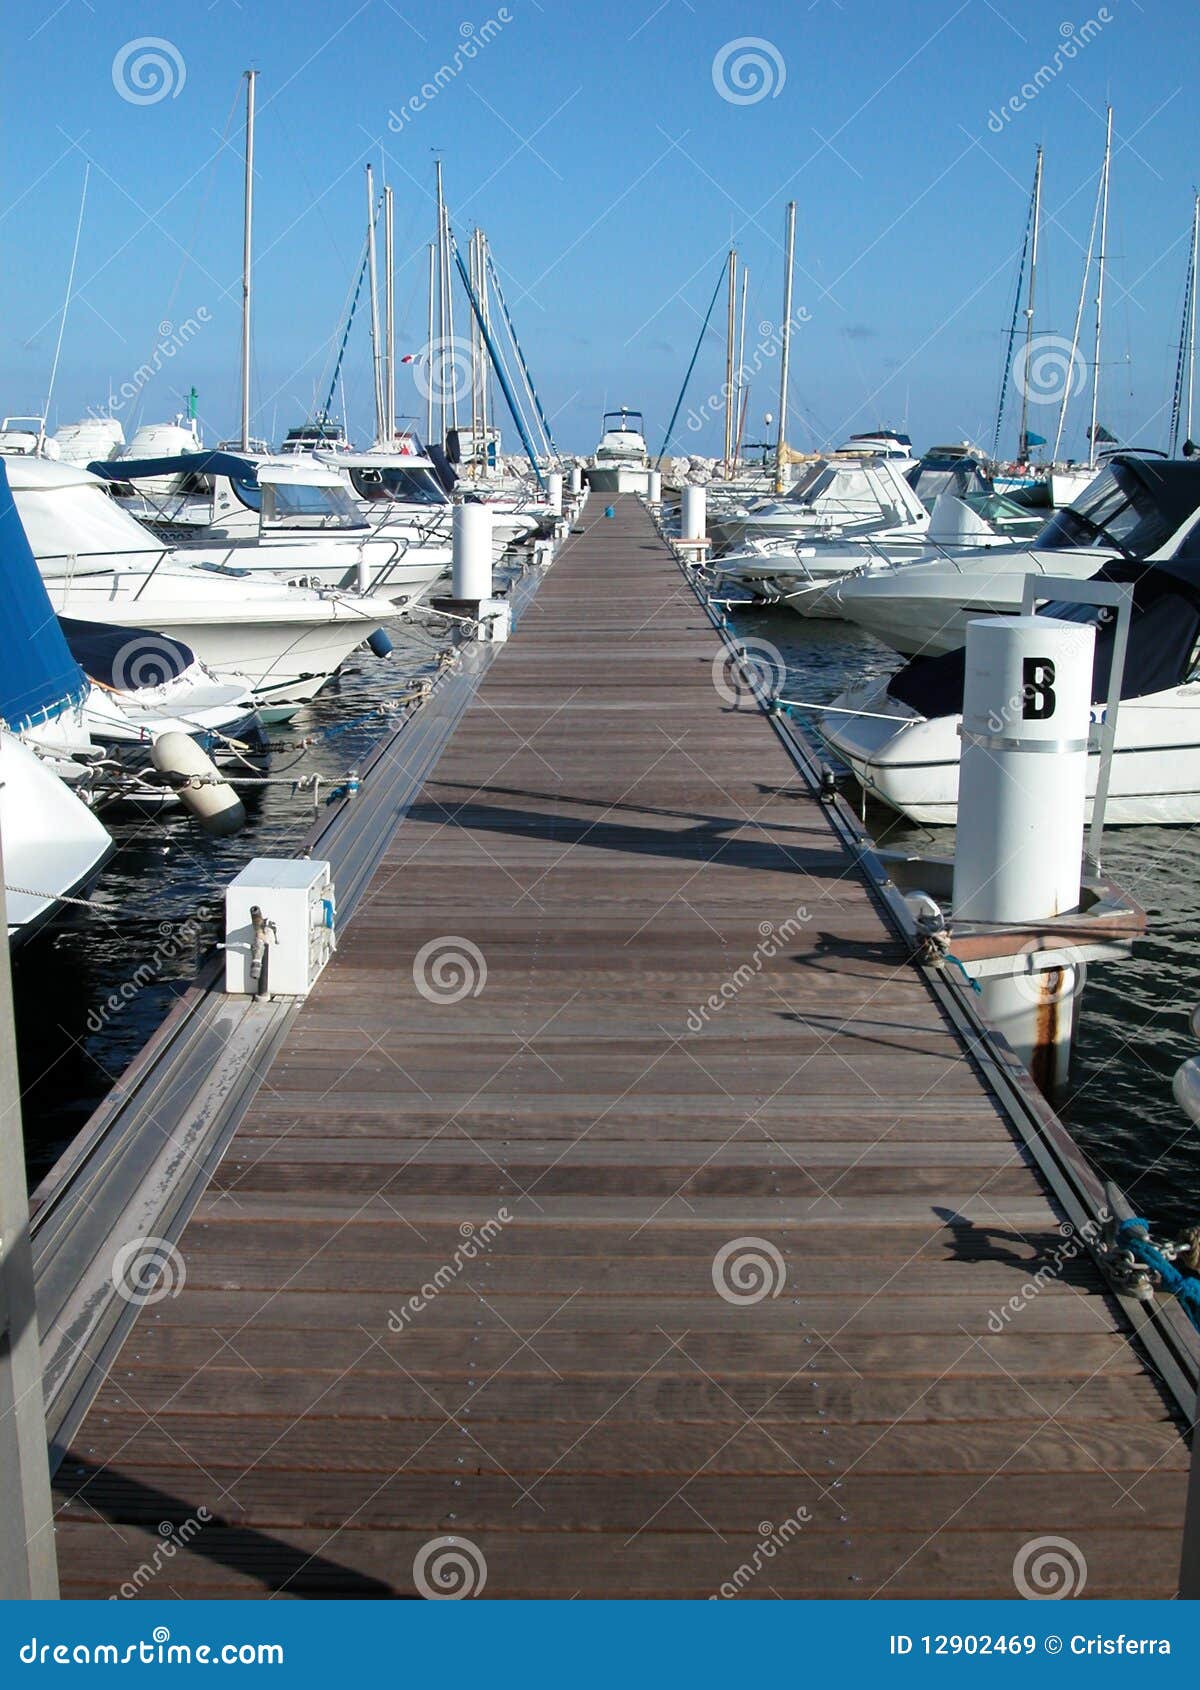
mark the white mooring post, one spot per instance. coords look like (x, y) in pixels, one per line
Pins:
(695, 514)
(654, 488)
(471, 571)
(554, 492)
(1021, 803)
(576, 481)
(28, 1566)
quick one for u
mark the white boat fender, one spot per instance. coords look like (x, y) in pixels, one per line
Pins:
(199, 784)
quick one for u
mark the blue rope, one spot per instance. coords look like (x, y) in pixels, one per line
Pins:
(520, 355)
(1134, 1235)
(687, 378)
(337, 368)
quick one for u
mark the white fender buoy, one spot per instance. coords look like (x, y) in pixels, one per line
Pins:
(199, 784)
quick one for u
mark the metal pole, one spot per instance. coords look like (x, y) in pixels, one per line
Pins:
(443, 287)
(1100, 287)
(247, 228)
(389, 317)
(742, 384)
(28, 1566)
(790, 251)
(380, 419)
(429, 347)
(730, 330)
(475, 360)
(485, 330)
(1191, 360)
(1023, 448)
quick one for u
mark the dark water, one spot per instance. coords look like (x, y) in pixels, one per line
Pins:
(1132, 1024)
(157, 909)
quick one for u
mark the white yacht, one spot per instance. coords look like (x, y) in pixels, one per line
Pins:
(290, 519)
(620, 463)
(836, 498)
(1137, 507)
(901, 736)
(100, 565)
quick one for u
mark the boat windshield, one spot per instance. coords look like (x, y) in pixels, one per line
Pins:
(1117, 511)
(397, 486)
(300, 504)
(1004, 515)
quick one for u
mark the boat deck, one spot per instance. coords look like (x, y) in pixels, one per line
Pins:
(670, 1243)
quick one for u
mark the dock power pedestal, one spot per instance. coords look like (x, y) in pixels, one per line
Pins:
(280, 926)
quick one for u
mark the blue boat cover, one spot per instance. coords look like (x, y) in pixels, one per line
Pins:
(39, 678)
(185, 463)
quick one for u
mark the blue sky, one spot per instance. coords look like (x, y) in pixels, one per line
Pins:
(610, 173)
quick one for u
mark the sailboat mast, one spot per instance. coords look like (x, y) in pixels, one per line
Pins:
(475, 267)
(389, 317)
(785, 358)
(247, 228)
(443, 294)
(380, 420)
(485, 303)
(1100, 286)
(730, 330)
(740, 374)
(1191, 355)
(429, 347)
(1023, 445)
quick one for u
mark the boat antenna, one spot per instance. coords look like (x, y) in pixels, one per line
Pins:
(1012, 329)
(62, 321)
(1184, 363)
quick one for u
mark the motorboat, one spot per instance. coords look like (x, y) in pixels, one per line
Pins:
(901, 737)
(836, 498)
(101, 565)
(620, 463)
(1137, 507)
(290, 519)
(52, 842)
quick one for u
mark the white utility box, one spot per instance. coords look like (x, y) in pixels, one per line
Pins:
(294, 896)
(495, 620)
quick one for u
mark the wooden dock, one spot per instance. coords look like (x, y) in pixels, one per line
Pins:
(673, 1244)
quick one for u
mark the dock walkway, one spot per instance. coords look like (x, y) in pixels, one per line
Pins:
(623, 1206)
